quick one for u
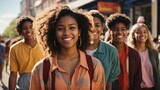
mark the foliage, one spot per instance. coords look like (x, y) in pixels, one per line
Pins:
(10, 31)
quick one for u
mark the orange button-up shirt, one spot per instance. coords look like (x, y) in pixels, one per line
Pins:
(80, 79)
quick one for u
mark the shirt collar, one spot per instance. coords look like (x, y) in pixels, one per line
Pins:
(82, 61)
(100, 47)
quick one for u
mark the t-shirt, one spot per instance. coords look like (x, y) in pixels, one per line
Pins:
(23, 57)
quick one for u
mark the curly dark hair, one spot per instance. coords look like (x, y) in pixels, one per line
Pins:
(96, 13)
(45, 28)
(20, 21)
(117, 18)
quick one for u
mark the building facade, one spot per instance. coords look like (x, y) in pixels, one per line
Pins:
(132, 8)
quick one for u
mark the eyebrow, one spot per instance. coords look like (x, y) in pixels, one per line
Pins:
(97, 23)
(69, 24)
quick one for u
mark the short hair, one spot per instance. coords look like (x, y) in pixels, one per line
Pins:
(96, 13)
(131, 41)
(21, 20)
(117, 18)
(45, 28)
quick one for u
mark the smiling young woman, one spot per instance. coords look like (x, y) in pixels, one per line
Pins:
(66, 39)
(130, 62)
(140, 38)
(106, 53)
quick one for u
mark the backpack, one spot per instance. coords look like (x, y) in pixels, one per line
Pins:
(46, 68)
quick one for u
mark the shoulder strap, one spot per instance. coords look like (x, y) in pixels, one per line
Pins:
(53, 80)
(46, 67)
(91, 70)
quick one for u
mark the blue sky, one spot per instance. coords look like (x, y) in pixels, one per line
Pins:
(9, 9)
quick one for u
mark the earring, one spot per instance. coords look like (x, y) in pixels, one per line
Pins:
(55, 43)
(80, 41)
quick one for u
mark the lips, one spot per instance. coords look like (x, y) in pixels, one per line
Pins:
(142, 37)
(94, 33)
(67, 39)
(120, 36)
(29, 34)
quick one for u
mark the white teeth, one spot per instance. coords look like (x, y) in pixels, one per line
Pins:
(67, 39)
(142, 37)
(29, 34)
(94, 33)
(119, 36)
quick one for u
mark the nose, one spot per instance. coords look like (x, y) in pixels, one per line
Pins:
(66, 31)
(29, 30)
(93, 29)
(119, 31)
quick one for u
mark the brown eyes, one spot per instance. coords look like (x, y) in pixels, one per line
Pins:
(27, 28)
(62, 28)
(141, 32)
(116, 29)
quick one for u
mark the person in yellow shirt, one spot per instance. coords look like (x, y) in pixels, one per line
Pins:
(23, 54)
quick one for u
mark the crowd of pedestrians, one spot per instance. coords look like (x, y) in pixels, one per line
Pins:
(62, 49)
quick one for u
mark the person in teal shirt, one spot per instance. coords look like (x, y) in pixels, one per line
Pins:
(105, 52)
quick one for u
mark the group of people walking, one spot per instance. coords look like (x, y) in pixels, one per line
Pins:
(61, 49)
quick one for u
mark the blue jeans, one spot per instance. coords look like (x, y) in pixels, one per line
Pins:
(115, 85)
(24, 81)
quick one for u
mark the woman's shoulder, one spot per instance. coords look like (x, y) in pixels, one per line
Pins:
(17, 44)
(132, 51)
(134, 54)
(96, 62)
(153, 50)
(107, 46)
(39, 64)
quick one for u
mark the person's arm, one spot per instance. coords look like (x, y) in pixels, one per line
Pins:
(35, 83)
(109, 86)
(12, 80)
(115, 70)
(98, 82)
(138, 73)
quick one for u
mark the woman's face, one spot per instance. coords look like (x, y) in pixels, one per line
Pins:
(119, 33)
(97, 30)
(67, 32)
(141, 34)
(27, 31)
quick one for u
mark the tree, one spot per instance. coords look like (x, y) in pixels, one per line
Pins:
(10, 31)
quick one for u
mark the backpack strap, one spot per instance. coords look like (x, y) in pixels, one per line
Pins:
(46, 67)
(53, 80)
(91, 70)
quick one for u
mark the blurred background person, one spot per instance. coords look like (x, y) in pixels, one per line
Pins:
(130, 62)
(105, 52)
(7, 47)
(2, 53)
(140, 38)
(23, 54)
(140, 19)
